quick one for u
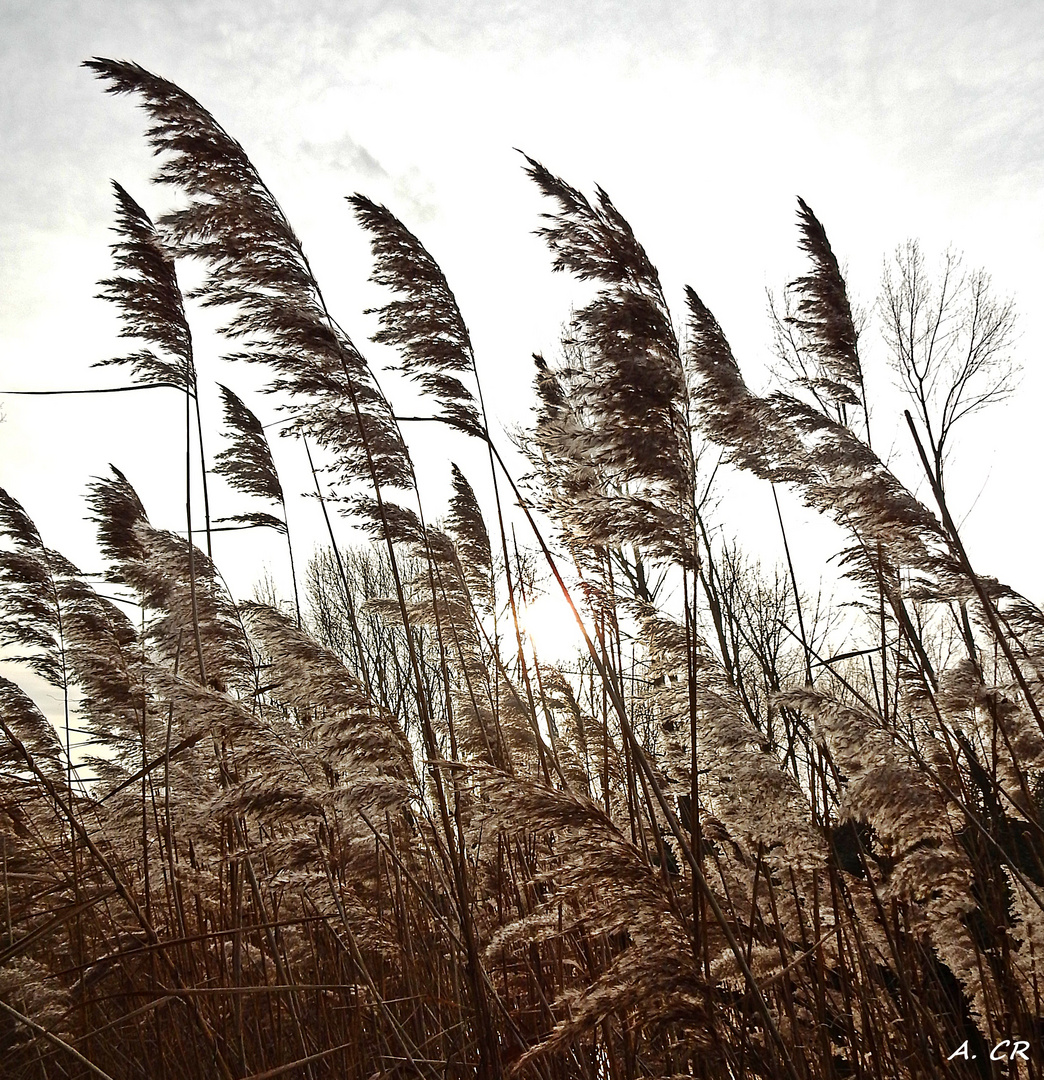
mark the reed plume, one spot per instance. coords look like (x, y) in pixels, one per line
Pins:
(257, 267)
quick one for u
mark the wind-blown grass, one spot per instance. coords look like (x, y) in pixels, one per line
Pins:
(383, 838)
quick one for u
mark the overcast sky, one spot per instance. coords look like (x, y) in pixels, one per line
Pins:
(704, 121)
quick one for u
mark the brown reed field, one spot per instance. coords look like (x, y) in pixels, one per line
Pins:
(367, 832)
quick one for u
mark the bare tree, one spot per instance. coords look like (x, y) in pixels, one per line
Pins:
(951, 341)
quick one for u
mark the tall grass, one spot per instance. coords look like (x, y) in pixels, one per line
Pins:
(374, 834)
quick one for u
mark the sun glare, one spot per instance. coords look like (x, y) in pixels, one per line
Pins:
(550, 628)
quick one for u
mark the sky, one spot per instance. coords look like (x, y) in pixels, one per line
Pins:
(704, 122)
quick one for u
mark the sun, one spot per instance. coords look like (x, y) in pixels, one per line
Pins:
(550, 628)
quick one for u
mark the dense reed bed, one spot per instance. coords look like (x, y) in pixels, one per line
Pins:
(367, 832)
